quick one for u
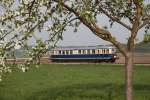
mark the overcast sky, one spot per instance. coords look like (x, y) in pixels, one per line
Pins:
(84, 37)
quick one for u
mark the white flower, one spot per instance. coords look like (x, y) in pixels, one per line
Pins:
(46, 46)
(46, 29)
(23, 69)
(30, 59)
(49, 26)
(2, 18)
(26, 2)
(2, 41)
(17, 46)
(1, 29)
(34, 48)
(87, 12)
(41, 3)
(17, 13)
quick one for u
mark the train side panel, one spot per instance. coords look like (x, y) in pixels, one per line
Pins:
(87, 57)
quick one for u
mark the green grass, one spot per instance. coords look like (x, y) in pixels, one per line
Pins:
(74, 82)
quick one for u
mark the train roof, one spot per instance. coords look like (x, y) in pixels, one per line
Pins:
(83, 47)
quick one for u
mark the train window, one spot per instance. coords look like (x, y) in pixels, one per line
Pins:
(51, 52)
(88, 51)
(59, 52)
(96, 51)
(84, 52)
(102, 51)
(63, 52)
(99, 51)
(93, 51)
(79, 51)
(107, 51)
(67, 52)
(71, 52)
(54, 52)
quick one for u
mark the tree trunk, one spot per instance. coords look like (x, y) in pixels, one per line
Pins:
(129, 76)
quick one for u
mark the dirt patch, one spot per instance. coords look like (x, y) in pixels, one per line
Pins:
(139, 58)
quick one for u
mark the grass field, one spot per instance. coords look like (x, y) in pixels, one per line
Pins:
(74, 82)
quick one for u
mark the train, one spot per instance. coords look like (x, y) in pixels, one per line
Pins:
(84, 54)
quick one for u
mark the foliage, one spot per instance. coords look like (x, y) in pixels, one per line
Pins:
(23, 19)
(147, 37)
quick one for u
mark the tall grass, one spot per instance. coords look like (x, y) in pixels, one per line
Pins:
(74, 82)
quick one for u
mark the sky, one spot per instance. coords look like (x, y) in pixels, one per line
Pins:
(84, 37)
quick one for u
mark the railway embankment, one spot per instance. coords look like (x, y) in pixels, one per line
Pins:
(139, 58)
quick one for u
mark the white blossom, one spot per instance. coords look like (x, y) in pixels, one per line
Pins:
(2, 18)
(2, 42)
(1, 29)
(17, 13)
(33, 48)
(17, 46)
(26, 1)
(23, 69)
(46, 46)
(30, 58)
(46, 29)
(87, 12)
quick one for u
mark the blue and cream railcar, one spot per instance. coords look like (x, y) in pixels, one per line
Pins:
(89, 54)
